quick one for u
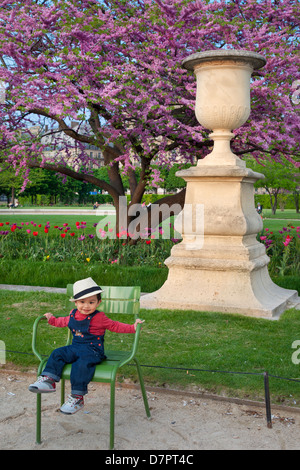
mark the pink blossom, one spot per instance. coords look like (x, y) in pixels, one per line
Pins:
(116, 60)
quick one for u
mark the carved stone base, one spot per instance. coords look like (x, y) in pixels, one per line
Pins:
(251, 293)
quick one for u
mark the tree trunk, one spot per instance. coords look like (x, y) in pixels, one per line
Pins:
(273, 193)
(12, 195)
(296, 200)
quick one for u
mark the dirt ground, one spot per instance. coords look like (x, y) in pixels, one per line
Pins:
(178, 422)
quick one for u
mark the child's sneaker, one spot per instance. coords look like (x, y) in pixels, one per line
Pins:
(72, 405)
(43, 384)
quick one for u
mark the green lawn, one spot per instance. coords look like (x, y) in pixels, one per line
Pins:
(174, 344)
(286, 214)
(274, 225)
(280, 219)
(55, 274)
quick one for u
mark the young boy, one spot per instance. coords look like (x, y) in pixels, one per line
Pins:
(88, 326)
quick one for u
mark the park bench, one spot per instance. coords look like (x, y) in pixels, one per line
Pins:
(115, 300)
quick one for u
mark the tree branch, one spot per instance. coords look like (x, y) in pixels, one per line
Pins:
(63, 126)
(78, 176)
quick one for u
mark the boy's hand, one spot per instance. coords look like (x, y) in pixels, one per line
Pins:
(48, 315)
(137, 321)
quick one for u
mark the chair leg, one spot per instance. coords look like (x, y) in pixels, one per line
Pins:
(112, 415)
(143, 390)
(62, 391)
(38, 418)
(39, 405)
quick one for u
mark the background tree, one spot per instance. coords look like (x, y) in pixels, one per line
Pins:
(278, 178)
(172, 181)
(10, 184)
(114, 67)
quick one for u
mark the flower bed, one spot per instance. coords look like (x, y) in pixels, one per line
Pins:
(75, 242)
(79, 241)
(283, 248)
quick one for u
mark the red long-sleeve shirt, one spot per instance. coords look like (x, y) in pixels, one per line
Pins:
(99, 323)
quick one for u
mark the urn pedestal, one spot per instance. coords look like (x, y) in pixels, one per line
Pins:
(219, 265)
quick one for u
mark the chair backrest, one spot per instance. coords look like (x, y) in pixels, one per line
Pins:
(117, 299)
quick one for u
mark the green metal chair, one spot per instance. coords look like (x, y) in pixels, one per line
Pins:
(115, 300)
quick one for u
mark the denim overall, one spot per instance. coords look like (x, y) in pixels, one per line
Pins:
(85, 352)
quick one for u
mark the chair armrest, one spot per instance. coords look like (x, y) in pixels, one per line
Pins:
(134, 345)
(34, 336)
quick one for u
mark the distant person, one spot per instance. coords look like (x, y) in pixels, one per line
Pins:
(259, 208)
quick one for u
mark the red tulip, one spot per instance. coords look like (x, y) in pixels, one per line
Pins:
(62, 235)
(46, 230)
(35, 233)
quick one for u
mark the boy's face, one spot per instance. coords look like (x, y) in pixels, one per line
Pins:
(88, 305)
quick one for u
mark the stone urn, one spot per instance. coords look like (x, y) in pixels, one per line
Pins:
(219, 265)
(223, 97)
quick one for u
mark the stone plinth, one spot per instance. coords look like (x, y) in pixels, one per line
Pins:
(221, 267)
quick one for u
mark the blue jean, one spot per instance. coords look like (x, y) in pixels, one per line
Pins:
(83, 357)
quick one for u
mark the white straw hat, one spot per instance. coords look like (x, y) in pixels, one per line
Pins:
(85, 288)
